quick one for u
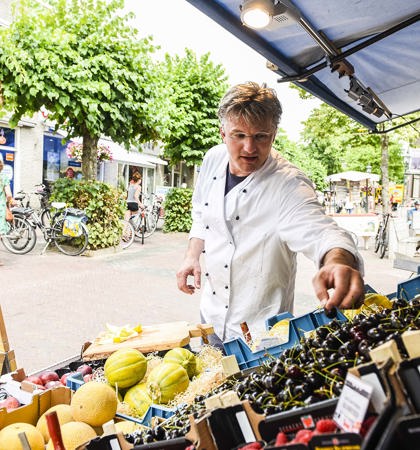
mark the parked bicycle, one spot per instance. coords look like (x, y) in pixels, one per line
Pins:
(44, 211)
(382, 236)
(127, 233)
(67, 230)
(145, 221)
(21, 236)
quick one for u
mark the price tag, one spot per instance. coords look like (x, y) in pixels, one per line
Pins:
(352, 404)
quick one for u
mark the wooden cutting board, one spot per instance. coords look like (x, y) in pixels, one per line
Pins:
(153, 338)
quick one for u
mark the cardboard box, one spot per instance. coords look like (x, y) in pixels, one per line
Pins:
(34, 402)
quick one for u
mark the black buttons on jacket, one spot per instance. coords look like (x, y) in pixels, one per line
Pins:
(207, 227)
(237, 217)
(244, 191)
(206, 204)
(226, 266)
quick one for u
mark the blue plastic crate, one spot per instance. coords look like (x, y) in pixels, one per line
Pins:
(161, 411)
(298, 326)
(409, 289)
(320, 318)
(274, 319)
(74, 381)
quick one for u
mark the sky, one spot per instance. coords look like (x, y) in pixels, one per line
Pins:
(176, 25)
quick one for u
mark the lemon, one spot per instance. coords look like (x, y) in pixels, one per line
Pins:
(373, 303)
(74, 434)
(9, 437)
(64, 416)
(280, 328)
(94, 403)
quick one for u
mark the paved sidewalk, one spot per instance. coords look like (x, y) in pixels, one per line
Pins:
(53, 303)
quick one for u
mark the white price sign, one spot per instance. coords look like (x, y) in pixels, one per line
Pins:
(352, 404)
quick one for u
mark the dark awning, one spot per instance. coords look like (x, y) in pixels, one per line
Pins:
(386, 71)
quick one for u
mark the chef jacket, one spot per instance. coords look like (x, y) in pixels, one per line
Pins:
(251, 237)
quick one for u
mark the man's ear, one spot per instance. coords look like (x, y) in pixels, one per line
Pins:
(222, 133)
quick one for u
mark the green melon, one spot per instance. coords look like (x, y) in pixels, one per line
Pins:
(138, 400)
(165, 381)
(125, 367)
(183, 357)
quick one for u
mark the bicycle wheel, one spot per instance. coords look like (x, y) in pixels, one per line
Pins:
(378, 239)
(383, 247)
(69, 245)
(46, 217)
(138, 225)
(150, 221)
(142, 228)
(21, 237)
(127, 237)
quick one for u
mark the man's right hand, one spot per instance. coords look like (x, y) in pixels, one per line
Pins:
(191, 267)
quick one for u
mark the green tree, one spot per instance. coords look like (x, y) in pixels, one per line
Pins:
(81, 61)
(298, 155)
(340, 144)
(196, 87)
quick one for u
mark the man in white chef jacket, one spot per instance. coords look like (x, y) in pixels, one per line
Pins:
(252, 212)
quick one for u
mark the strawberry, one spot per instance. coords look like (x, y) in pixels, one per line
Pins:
(303, 437)
(366, 425)
(252, 446)
(281, 439)
(326, 426)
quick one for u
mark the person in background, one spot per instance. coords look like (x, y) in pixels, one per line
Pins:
(410, 212)
(348, 205)
(69, 173)
(5, 198)
(252, 213)
(134, 195)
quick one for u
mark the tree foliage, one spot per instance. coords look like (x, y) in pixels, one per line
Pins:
(81, 61)
(297, 155)
(196, 87)
(340, 143)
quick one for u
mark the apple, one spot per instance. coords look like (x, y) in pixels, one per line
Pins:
(34, 379)
(85, 369)
(48, 375)
(52, 384)
(10, 403)
(63, 379)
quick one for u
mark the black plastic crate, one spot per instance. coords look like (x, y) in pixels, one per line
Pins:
(297, 419)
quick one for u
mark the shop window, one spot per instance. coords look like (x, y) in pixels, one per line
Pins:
(7, 137)
(56, 163)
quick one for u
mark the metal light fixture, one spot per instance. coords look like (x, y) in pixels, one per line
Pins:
(366, 98)
(261, 13)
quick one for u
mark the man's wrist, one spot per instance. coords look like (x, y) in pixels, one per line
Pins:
(340, 256)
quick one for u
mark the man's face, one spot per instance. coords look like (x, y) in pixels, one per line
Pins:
(248, 145)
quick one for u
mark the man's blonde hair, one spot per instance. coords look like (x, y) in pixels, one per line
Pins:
(251, 102)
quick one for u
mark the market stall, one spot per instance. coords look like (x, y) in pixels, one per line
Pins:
(349, 378)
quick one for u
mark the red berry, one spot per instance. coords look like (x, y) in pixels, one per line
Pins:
(303, 436)
(281, 439)
(252, 446)
(326, 426)
(366, 425)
